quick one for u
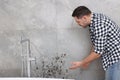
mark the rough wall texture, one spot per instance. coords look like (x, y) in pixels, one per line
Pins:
(55, 39)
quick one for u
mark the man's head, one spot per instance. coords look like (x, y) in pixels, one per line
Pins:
(82, 16)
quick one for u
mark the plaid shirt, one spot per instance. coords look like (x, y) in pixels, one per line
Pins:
(105, 36)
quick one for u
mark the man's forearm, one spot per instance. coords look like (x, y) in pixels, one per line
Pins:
(91, 57)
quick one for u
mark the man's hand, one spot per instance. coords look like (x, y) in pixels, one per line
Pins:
(85, 66)
(79, 65)
(76, 65)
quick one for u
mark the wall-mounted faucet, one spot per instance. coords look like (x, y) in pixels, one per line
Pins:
(26, 58)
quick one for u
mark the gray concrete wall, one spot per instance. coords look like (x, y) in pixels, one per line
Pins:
(56, 40)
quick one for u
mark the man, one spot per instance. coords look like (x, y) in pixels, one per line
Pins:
(105, 36)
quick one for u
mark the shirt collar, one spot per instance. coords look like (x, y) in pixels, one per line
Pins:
(92, 18)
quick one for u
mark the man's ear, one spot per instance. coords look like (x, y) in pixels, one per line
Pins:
(84, 17)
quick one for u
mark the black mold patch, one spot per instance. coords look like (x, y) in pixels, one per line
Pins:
(54, 68)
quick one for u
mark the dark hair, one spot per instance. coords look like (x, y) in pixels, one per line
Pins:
(81, 11)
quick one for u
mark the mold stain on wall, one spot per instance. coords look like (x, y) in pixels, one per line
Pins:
(53, 68)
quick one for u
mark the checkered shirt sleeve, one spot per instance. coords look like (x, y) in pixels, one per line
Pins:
(100, 38)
